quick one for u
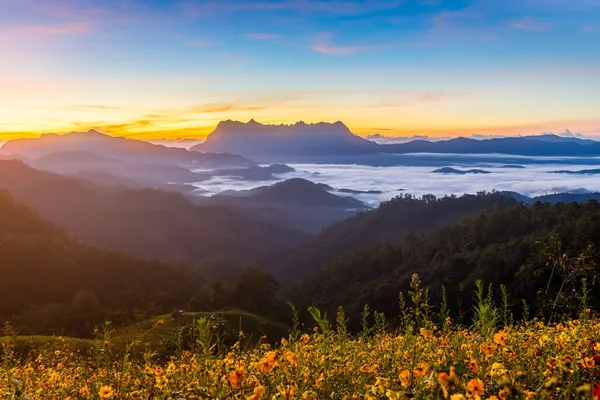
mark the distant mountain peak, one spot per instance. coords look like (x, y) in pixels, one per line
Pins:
(296, 140)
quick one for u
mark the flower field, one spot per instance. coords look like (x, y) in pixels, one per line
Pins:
(528, 361)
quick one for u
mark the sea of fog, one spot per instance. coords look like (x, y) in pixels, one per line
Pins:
(532, 180)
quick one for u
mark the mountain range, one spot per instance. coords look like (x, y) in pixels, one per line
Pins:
(119, 148)
(311, 142)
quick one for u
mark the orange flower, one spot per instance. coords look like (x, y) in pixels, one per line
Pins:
(236, 377)
(404, 377)
(589, 362)
(475, 387)
(473, 366)
(500, 338)
(443, 378)
(487, 348)
(426, 334)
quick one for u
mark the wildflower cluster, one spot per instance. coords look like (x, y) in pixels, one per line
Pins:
(529, 361)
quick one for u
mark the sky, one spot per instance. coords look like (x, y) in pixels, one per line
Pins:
(154, 69)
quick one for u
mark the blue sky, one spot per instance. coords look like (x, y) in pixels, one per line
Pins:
(175, 68)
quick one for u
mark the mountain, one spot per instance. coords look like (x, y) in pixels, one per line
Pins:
(295, 204)
(546, 145)
(499, 246)
(146, 222)
(118, 148)
(290, 193)
(449, 170)
(580, 172)
(577, 197)
(389, 223)
(324, 142)
(44, 271)
(285, 142)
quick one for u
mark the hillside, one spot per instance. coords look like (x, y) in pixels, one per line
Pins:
(389, 223)
(46, 274)
(499, 246)
(290, 193)
(293, 204)
(145, 222)
(554, 198)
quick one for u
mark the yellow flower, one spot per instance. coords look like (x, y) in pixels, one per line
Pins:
(309, 395)
(257, 393)
(106, 392)
(475, 388)
(589, 362)
(457, 397)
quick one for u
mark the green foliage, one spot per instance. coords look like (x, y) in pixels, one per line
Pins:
(485, 313)
(320, 319)
(501, 246)
(391, 222)
(507, 315)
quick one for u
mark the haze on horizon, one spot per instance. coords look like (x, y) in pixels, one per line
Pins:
(172, 69)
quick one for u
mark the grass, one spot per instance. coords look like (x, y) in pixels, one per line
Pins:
(159, 333)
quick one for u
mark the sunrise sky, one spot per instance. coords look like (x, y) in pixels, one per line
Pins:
(156, 69)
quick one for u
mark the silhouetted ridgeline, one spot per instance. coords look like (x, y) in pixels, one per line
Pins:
(323, 140)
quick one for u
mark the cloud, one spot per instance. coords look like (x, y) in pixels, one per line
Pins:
(335, 7)
(225, 107)
(95, 107)
(588, 28)
(529, 24)
(263, 36)
(323, 44)
(534, 180)
(66, 29)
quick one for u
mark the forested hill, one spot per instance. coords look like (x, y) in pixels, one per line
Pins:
(498, 246)
(145, 222)
(53, 281)
(389, 223)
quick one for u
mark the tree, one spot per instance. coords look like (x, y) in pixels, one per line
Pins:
(255, 291)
